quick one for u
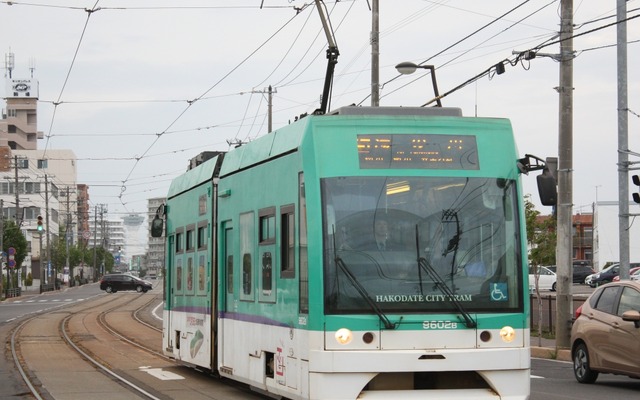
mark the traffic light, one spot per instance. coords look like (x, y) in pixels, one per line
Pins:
(636, 181)
(40, 225)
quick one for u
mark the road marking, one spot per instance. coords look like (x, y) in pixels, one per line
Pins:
(161, 374)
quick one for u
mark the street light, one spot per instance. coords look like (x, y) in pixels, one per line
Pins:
(407, 68)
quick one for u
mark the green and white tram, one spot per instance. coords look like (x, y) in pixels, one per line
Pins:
(372, 253)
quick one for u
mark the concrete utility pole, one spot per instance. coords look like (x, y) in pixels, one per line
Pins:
(270, 91)
(66, 239)
(564, 250)
(46, 223)
(623, 142)
(375, 53)
(18, 219)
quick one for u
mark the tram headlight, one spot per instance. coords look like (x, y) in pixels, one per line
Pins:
(344, 336)
(508, 334)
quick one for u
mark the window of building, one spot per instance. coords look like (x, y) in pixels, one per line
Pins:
(42, 164)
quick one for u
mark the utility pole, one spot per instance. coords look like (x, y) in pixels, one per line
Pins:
(564, 298)
(270, 110)
(17, 183)
(66, 237)
(375, 53)
(95, 241)
(270, 91)
(46, 223)
(623, 141)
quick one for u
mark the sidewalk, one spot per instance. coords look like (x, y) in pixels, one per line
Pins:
(546, 348)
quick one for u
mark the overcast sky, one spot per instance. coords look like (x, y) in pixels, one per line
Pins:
(143, 86)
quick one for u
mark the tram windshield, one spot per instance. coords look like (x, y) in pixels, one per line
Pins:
(426, 244)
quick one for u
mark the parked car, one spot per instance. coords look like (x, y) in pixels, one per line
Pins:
(546, 279)
(631, 272)
(580, 271)
(606, 275)
(605, 337)
(114, 282)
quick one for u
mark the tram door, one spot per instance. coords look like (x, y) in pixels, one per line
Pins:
(168, 295)
(225, 330)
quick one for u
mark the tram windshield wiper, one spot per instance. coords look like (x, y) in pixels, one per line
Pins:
(364, 294)
(423, 264)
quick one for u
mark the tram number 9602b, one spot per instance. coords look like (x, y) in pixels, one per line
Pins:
(439, 325)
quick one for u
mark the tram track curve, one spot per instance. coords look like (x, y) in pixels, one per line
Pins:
(109, 346)
(73, 339)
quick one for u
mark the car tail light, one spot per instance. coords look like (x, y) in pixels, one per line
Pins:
(578, 312)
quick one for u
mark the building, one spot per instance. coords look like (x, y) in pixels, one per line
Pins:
(582, 236)
(110, 234)
(606, 234)
(34, 183)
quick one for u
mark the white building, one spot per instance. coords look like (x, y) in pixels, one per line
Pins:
(34, 182)
(606, 243)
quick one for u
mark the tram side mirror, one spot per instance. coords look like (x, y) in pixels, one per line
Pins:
(157, 226)
(547, 188)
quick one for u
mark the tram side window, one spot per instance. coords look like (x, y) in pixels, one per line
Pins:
(179, 239)
(247, 243)
(287, 241)
(228, 237)
(190, 236)
(267, 225)
(201, 235)
(201, 273)
(179, 275)
(190, 274)
(302, 242)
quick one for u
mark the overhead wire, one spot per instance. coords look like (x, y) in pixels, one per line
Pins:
(519, 57)
(453, 45)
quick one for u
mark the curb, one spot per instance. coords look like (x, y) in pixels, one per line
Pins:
(551, 353)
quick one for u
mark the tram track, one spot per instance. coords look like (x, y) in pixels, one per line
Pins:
(104, 347)
(76, 336)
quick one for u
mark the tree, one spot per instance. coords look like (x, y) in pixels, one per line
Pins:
(12, 237)
(541, 235)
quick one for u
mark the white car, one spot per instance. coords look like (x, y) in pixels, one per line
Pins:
(546, 279)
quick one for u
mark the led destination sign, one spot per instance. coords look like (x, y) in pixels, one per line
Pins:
(419, 151)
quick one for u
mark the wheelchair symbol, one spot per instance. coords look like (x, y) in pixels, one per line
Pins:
(499, 292)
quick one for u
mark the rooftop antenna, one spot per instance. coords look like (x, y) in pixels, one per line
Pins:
(32, 65)
(9, 62)
(332, 56)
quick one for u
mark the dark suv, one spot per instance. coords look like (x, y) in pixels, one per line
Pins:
(113, 282)
(580, 272)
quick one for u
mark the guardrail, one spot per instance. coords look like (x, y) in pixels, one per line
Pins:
(14, 292)
(47, 287)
